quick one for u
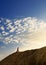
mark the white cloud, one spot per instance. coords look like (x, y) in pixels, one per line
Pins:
(10, 26)
(42, 24)
(29, 32)
(21, 28)
(2, 28)
(4, 33)
(8, 21)
(17, 22)
(12, 29)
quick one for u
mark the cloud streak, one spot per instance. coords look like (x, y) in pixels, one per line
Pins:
(22, 30)
(27, 33)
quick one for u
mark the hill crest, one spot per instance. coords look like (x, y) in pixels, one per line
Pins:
(29, 57)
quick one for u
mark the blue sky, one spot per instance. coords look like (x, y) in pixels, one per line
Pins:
(24, 8)
(22, 24)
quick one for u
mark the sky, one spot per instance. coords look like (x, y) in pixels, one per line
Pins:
(22, 24)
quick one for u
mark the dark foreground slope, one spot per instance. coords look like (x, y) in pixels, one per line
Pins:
(30, 57)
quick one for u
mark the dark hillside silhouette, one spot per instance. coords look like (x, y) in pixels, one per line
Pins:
(29, 57)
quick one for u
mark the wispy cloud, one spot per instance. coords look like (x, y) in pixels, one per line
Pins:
(23, 30)
(27, 33)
